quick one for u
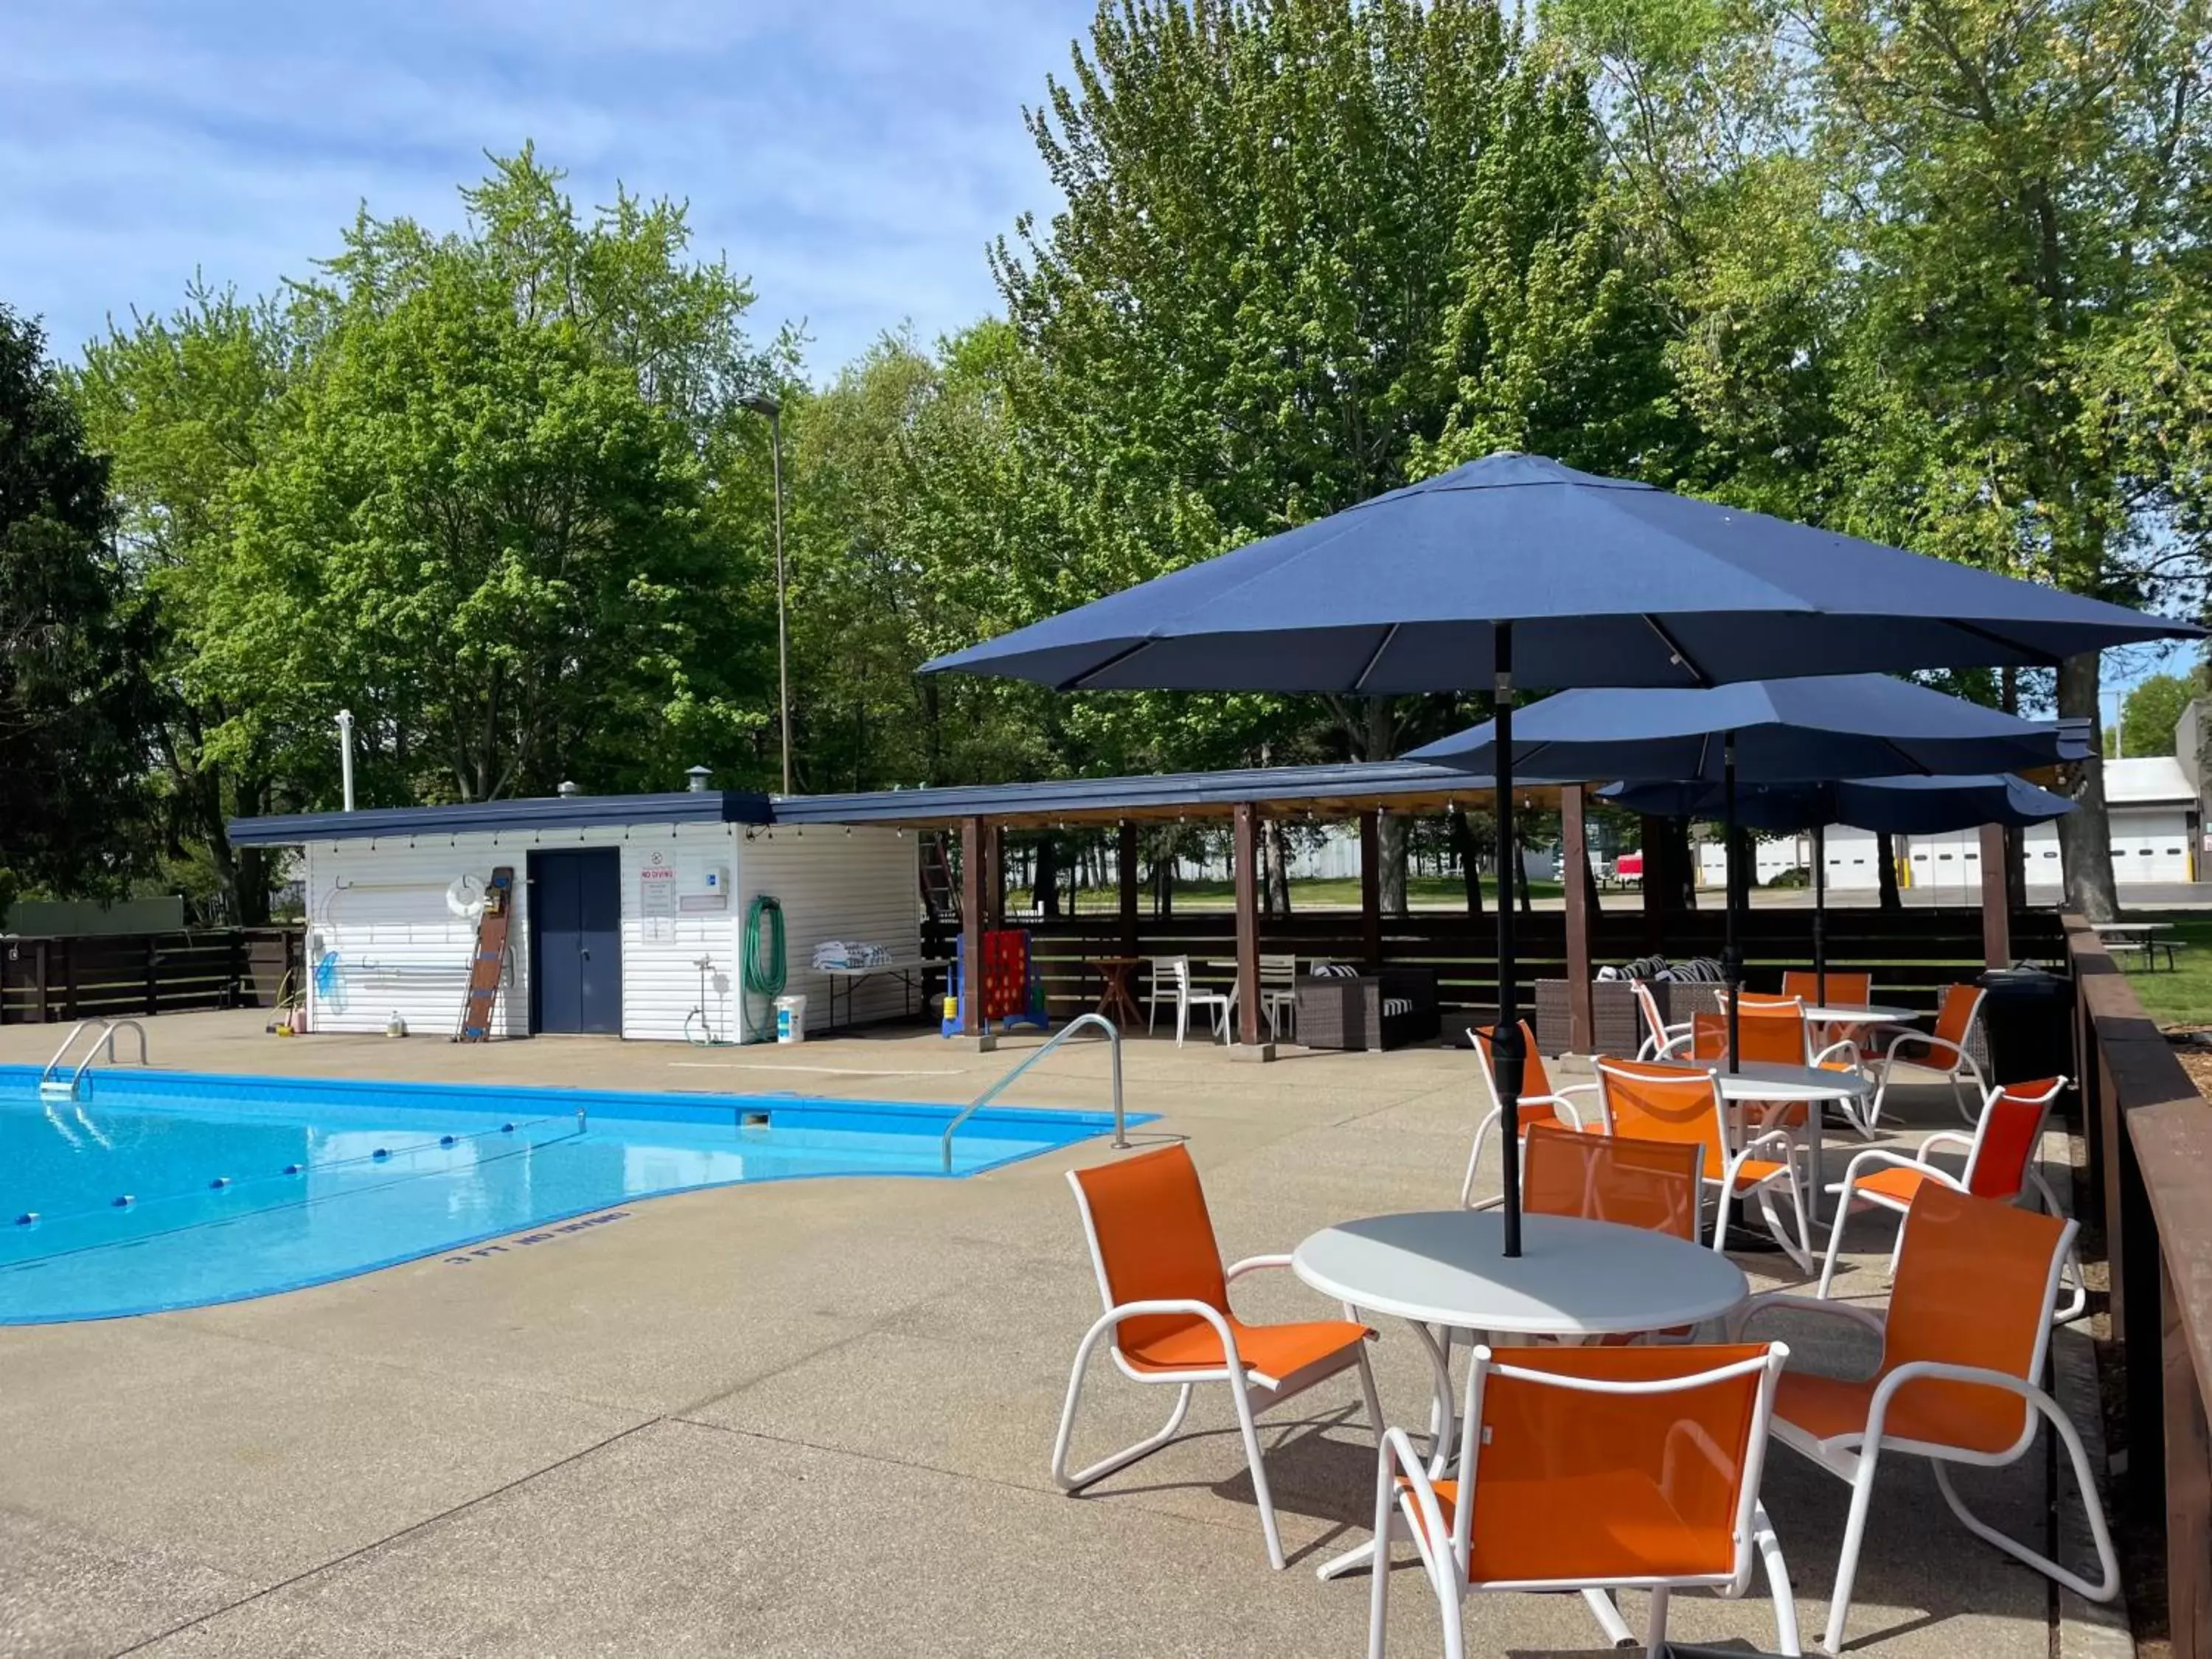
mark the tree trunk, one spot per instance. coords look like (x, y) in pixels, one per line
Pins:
(1278, 871)
(1885, 859)
(1394, 827)
(1044, 883)
(2085, 835)
(1470, 866)
(1163, 863)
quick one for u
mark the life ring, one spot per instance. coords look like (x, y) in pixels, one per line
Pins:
(466, 896)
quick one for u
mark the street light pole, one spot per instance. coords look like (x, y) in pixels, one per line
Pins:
(762, 403)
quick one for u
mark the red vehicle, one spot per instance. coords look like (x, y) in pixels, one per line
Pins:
(1629, 866)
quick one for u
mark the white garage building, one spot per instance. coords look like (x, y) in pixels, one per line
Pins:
(628, 915)
(2153, 813)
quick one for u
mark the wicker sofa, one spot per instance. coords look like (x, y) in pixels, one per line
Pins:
(1350, 1014)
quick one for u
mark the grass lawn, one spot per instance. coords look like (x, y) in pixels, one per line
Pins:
(2184, 996)
(1422, 893)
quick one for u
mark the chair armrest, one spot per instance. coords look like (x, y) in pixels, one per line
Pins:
(1670, 1048)
(1867, 1317)
(1114, 1316)
(1947, 1137)
(1772, 1139)
(1876, 1157)
(1921, 1370)
(1252, 1264)
(1841, 1046)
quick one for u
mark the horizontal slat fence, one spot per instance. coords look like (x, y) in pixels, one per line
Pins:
(112, 976)
(1911, 953)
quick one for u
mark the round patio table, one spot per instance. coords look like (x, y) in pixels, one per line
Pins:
(1447, 1268)
(1770, 1082)
(1844, 1014)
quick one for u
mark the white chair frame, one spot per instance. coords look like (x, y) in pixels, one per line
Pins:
(1657, 1033)
(1417, 1515)
(1492, 1119)
(1920, 1163)
(1252, 1390)
(1772, 1141)
(1279, 994)
(1961, 1065)
(1805, 1148)
(1170, 981)
(1852, 1457)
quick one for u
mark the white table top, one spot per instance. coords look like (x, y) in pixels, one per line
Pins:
(1833, 1013)
(896, 965)
(1575, 1277)
(1766, 1079)
(2131, 927)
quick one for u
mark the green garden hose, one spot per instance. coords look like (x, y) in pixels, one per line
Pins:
(763, 966)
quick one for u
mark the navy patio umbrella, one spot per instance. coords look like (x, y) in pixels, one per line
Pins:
(1911, 805)
(1793, 731)
(1517, 566)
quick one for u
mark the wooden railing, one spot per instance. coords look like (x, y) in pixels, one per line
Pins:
(108, 976)
(2149, 1136)
(1913, 953)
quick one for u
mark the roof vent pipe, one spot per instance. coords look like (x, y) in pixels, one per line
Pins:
(568, 790)
(698, 776)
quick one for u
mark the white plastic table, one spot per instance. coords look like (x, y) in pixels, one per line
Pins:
(1573, 1279)
(1844, 1014)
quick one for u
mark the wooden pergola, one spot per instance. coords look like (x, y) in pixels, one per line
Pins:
(979, 816)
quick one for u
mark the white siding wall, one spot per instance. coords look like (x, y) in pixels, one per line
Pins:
(660, 954)
(382, 907)
(858, 885)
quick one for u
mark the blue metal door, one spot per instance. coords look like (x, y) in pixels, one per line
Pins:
(575, 940)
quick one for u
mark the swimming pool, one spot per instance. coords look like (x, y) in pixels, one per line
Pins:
(170, 1190)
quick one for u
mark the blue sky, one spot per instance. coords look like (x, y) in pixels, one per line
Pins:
(853, 156)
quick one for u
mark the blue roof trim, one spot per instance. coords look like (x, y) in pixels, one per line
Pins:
(1291, 783)
(534, 813)
(1367, 781)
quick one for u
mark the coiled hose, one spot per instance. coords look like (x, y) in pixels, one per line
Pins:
(763, 969)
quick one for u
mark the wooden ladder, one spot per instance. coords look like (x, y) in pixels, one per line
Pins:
(940, 894)
(490, 958)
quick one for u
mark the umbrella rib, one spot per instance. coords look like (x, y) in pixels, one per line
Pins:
(1924, 770)
(2043, 658)
(1097, 668)
(1680, 654)
(1375, 656)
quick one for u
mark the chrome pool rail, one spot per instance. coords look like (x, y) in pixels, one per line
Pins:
(56, 1084)
(1080, 1022)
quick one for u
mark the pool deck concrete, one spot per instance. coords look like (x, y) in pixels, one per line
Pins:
(815, 1417)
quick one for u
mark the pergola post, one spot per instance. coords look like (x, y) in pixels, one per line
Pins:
(1574, 877)
(1371, 888)
(1996, 900)
(974, 844)
(1126, 874)
(1245, 837)
(1658, 881)
(994, 872)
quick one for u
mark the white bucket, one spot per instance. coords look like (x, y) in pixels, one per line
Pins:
(791, 1019)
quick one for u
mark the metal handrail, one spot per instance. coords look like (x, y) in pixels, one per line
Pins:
(104, 1039)
(1114, 1047)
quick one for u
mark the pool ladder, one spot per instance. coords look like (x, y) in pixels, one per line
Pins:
(55, 1083)
(1080, 1022)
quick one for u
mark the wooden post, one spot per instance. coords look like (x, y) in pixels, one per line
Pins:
(1573, 876)
(994, 873)
(45, 987)
(1996, 900)
(1371, 888)
(2188, 1487)
(153, 976)
(1128, 871)
(975, 842)
(1657, 871)
(1245, 834)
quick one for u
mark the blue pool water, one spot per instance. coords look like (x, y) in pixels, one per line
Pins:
(170, 1190)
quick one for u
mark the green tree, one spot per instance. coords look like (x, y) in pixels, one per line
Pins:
(2152, 710)
(1308, 250)
(186, 407)
(74, 706)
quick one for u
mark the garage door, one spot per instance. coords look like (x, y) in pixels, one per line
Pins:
(2150, 847)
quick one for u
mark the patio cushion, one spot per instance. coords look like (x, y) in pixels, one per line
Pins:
(1273, 1350)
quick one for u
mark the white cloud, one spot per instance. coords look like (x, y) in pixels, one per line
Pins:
(854, 159)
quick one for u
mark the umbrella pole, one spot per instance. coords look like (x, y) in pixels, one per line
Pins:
(1731, 952)
(1507, 1054)
(1821, 912)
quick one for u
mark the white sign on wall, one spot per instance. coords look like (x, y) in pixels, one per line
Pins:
(656, 889)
